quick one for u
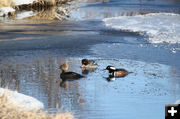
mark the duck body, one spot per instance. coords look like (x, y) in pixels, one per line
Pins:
(70, 75)
(121, 72)
(88, 64)
(117, 72)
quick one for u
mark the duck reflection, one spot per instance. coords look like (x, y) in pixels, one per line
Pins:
(87, 70)
(64, 84)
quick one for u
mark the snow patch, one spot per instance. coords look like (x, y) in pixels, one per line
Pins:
(25, 14)
(22, 2)
(6, 10)
(25, 102)
(160, 27)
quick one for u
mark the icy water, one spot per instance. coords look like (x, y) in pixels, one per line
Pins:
(111, 32)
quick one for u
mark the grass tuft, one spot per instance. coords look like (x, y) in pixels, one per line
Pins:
(6, 3)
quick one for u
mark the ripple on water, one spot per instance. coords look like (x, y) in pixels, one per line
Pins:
(92, 96)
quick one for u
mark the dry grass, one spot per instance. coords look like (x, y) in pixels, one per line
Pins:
(48, 14)
(51, 2)
(43, 6)
(6, 3)
(10, 111)
(10, 3)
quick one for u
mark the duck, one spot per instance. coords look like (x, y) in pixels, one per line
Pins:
(64, 67)
(117, 72)
(88, 64)
(68, 75)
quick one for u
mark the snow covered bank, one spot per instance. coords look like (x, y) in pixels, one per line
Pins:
(6, 10)
(25, 102)
(35, 9)
(14, 105)
(22, 2)
(160, 27)
(25, 14)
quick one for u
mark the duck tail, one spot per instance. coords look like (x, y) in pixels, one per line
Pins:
(130, 72)
(81, 76)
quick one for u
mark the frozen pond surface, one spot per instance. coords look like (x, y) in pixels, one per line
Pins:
(31, 52)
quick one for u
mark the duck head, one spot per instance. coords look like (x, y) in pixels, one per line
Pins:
(85, 62)
(64, 67)
(110, 68)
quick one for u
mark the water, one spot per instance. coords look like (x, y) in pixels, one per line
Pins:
(31, 52)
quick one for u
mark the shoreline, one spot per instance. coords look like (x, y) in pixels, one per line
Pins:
(19, 106)
(10, 11)
(24, 102)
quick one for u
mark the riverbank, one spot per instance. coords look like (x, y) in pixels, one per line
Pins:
(33, 9)
(15, 105)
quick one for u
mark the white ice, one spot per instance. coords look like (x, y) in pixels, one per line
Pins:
(160, 27)
(25, 14)
(21, 2)
(6, 10)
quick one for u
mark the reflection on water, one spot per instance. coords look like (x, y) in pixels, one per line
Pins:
(37, 78)
(92, 96)
(88, 70)
(115, 8)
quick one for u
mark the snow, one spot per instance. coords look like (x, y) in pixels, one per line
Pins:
(159, 27)
(25, 14)
(25, 102)
(6, 10)
(21, 2)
